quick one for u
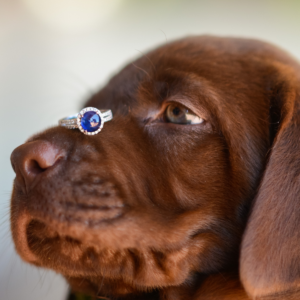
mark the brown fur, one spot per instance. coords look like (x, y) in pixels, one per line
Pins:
(153, 210)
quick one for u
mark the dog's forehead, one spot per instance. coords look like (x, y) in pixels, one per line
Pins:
(229, 66)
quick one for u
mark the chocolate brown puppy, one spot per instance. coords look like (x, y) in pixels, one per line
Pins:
(205, 134)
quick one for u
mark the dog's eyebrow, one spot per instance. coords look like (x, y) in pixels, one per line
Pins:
(171, 81)
(186, 88)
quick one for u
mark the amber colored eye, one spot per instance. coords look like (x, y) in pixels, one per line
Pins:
(179, 114)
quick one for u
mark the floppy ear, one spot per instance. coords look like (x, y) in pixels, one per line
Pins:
(270, 253)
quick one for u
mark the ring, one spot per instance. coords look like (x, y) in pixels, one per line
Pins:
(89, 121)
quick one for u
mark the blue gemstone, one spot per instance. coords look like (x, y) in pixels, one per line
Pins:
(90, 121)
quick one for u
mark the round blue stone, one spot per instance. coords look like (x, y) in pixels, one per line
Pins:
(90, 121)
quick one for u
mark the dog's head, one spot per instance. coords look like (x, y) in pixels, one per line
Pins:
(163, 192)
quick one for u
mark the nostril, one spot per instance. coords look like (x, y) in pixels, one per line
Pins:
(33, 167)
(33, 158)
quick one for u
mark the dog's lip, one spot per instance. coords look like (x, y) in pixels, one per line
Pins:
(62, 224)
(79, 214)
(91, 206)
(19, 228)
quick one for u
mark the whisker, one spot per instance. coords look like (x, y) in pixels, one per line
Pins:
(164, 34)
(146, 56)
(141, 70)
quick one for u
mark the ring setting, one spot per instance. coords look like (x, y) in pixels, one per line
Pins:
(89, 121)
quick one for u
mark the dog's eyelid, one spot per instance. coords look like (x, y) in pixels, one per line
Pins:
(185, 101)
(178, 113)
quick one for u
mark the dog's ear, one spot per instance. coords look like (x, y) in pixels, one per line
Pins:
(270, 252)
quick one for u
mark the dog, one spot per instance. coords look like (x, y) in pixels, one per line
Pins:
(189, 192)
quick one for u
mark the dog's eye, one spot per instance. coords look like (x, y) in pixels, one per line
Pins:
(179, 114)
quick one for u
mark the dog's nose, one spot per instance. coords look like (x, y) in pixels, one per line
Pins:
(33, 158)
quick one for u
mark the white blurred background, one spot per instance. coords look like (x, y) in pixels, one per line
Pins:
(55, 53)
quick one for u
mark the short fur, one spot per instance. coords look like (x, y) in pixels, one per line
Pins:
(154, 210)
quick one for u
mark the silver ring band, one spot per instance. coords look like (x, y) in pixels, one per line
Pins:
(89, 121)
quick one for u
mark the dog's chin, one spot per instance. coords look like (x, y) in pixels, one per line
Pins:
(64, 239)
(94, 268)
(103, 247)
(87, 268)
(107, 288)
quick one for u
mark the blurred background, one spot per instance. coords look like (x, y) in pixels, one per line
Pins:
(55, 53)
